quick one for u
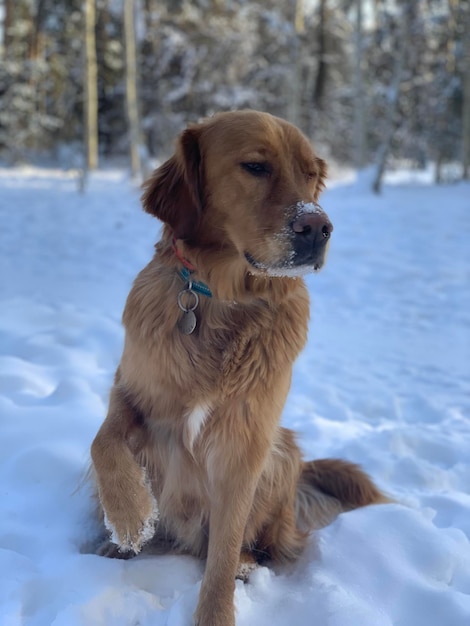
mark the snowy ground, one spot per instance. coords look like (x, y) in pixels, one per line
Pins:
(384, 381)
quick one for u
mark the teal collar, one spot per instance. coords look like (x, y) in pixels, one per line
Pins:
(194, 285)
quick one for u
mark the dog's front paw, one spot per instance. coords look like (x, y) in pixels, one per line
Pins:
(131, 521)
(112, 551)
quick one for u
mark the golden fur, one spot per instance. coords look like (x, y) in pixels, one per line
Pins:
(191, 454)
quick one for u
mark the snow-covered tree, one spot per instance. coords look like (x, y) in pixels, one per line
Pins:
(353, 74)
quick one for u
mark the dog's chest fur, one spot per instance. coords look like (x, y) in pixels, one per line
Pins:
(235, 348)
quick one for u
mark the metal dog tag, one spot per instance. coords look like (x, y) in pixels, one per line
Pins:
(187, 323)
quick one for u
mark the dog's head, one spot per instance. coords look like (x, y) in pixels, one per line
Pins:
(247, 183)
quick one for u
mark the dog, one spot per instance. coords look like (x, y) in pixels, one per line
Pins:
(191, 455)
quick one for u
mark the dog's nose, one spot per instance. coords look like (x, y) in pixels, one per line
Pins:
(314, 227)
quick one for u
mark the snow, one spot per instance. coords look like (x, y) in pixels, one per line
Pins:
(384, 381)
(308, 207)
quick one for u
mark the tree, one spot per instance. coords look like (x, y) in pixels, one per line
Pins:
(91, 88)
(466, 91)
(7, 23)
(359, 95)
(320, 81)
(295, 88)
(302, 60)
(132, 107)
(37, 25)
(403, 39)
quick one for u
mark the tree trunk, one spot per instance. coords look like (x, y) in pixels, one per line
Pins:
(295, 80)
(403, 42)
(91, 88)
(7, 22)
(466, 92)
(218, 6)
(132, 103)
(442, 118)
(37, 24)
(359, 105)
(320, 82)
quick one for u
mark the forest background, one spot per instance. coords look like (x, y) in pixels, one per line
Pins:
(373, 82)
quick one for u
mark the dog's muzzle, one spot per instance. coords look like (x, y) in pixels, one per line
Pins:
(307, 236)
(310, 231)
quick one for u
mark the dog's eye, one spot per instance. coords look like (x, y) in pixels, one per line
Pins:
(257, 169)
(311, 175)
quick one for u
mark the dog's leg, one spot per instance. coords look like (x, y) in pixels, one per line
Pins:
(229, 513)
(235, 461)
(130, 510)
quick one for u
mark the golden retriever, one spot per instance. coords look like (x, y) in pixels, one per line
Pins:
(191, 454)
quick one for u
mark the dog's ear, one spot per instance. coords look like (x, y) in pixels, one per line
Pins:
(174, 191)
(321, 176)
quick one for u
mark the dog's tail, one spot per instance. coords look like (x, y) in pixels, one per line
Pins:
(328, 487)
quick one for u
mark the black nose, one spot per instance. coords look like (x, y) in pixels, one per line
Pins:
(315, 228)
(311, 233)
